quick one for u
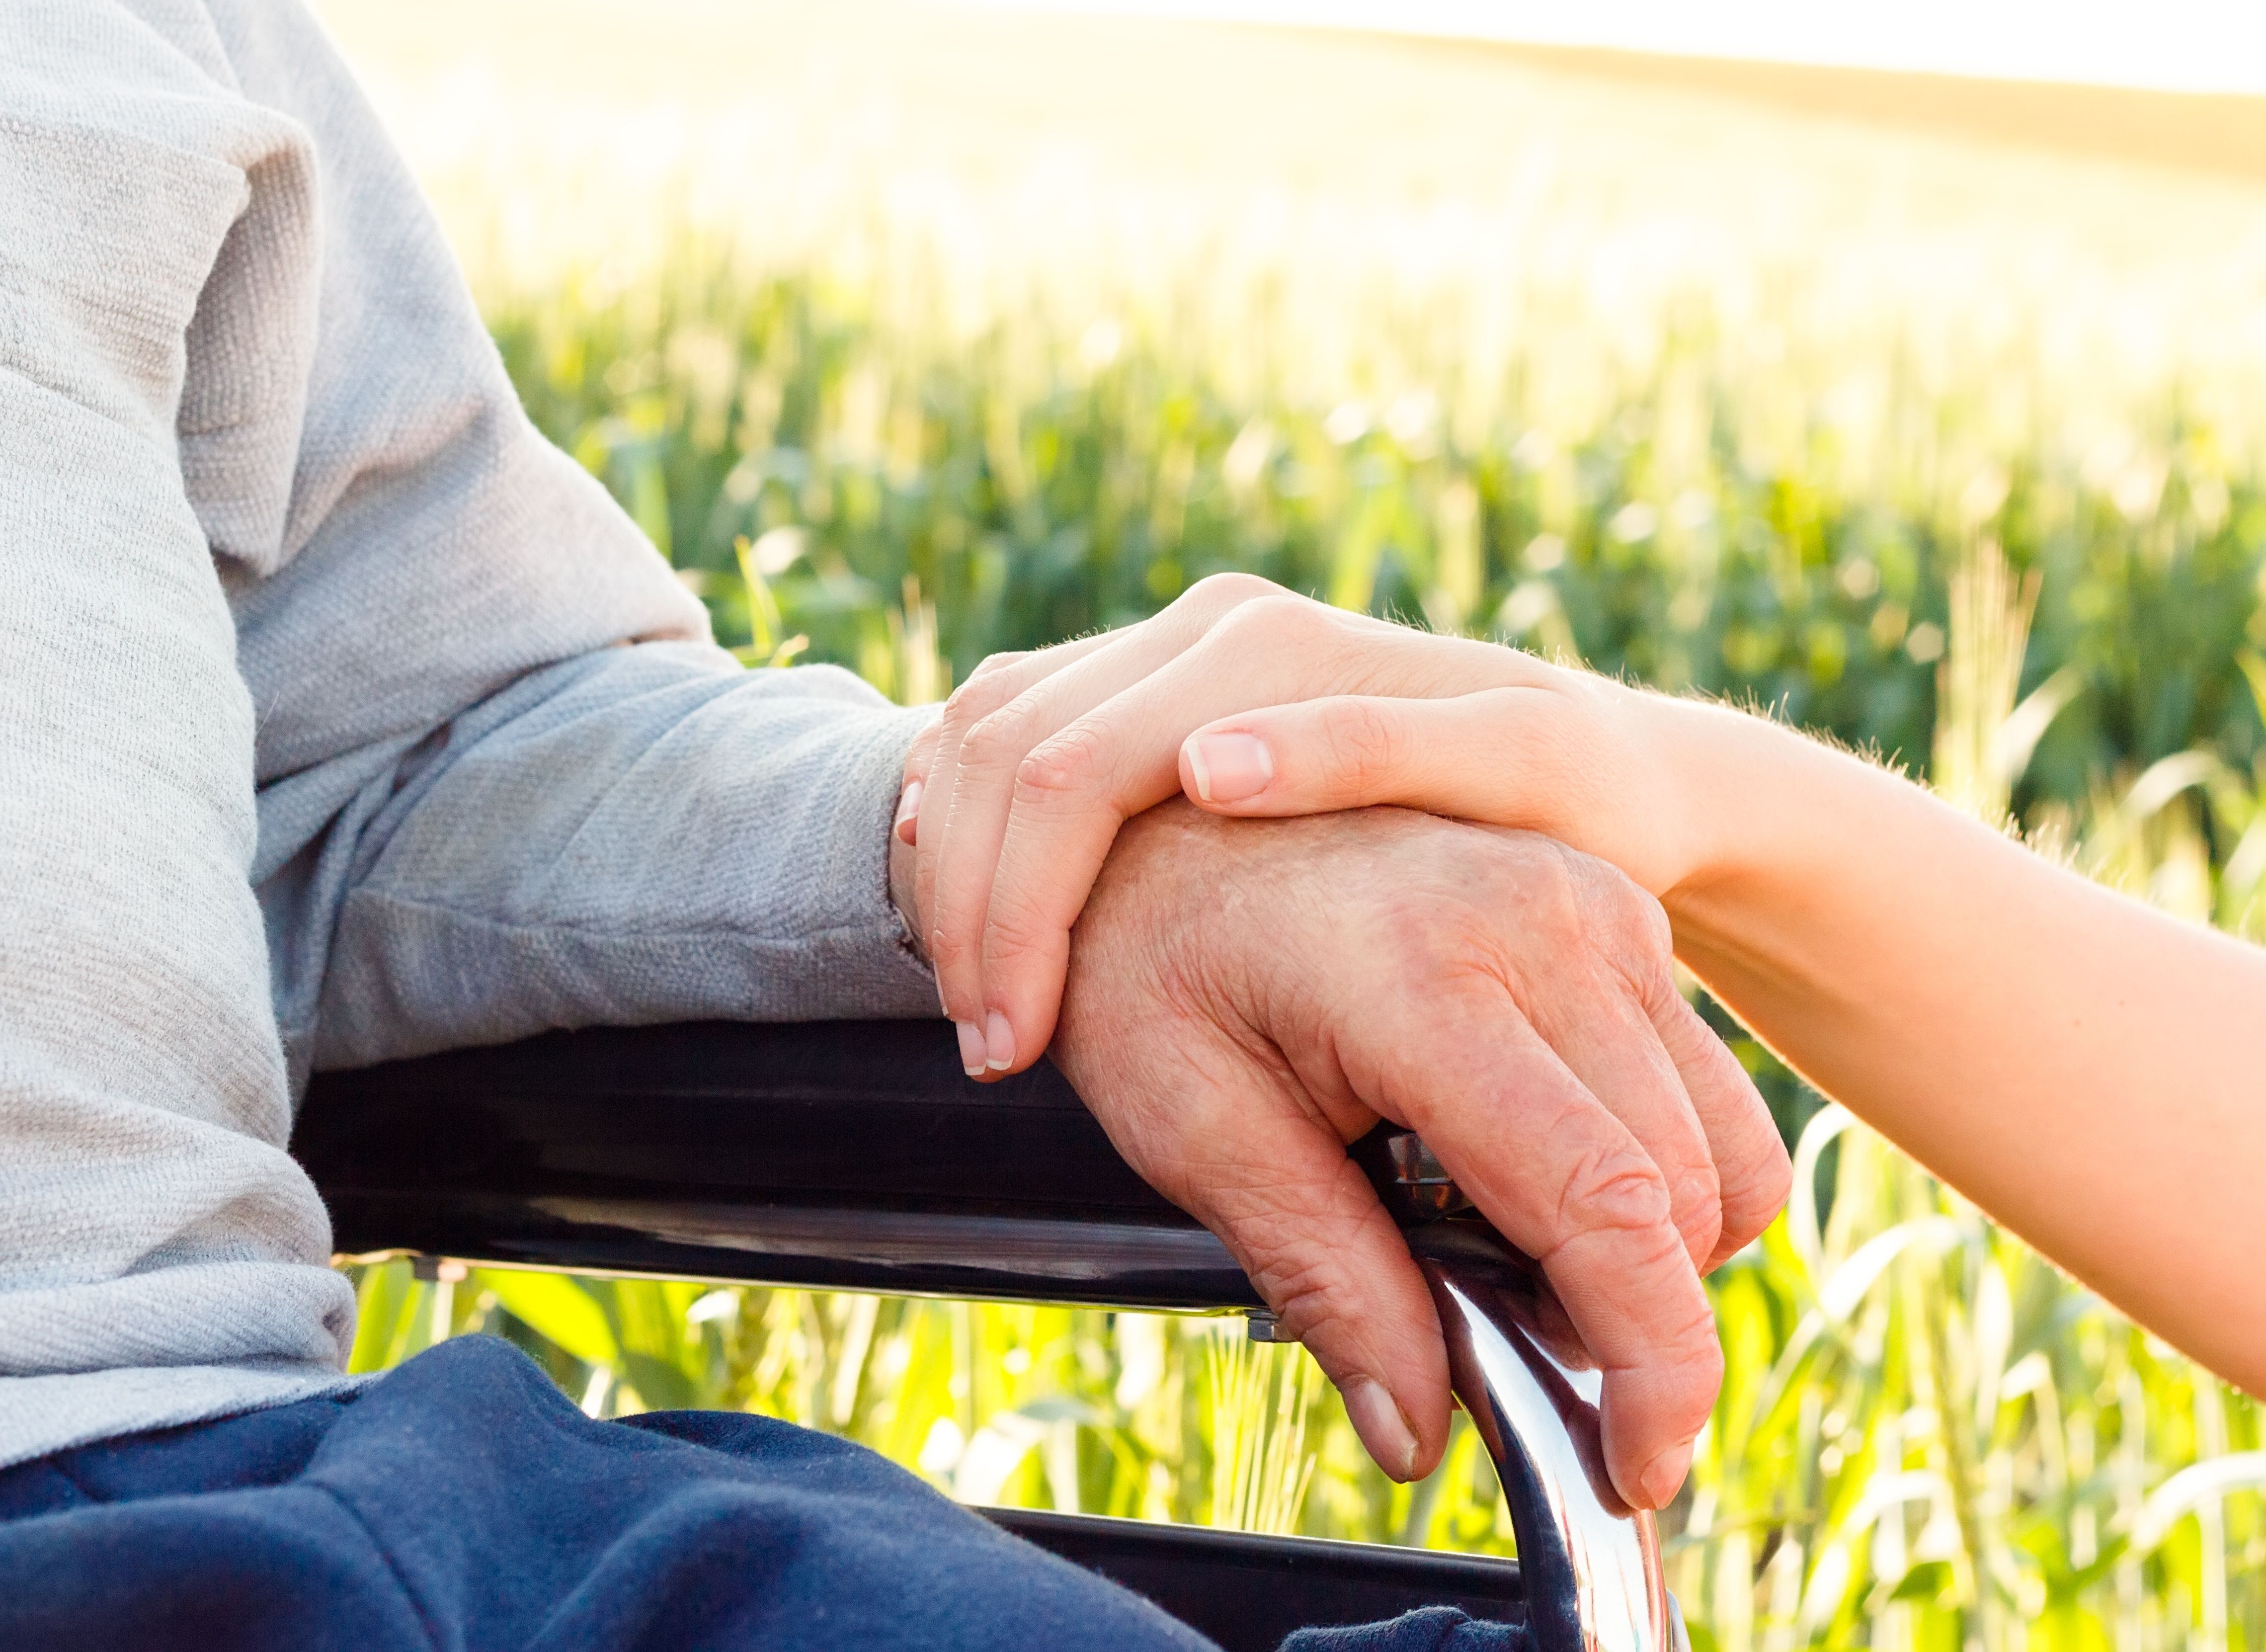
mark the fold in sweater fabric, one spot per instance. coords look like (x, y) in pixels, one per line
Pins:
(344, 717)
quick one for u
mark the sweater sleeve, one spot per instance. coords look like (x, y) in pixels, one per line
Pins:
(507, 781)
(643, 834)
(161, 1257)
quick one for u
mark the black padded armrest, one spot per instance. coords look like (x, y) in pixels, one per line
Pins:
(856, 1155)
(849, 1155)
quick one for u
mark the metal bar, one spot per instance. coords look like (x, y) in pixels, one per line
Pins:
(1247, 1590)
(1591, 1563)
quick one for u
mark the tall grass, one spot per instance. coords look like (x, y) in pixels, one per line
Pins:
(1035, 481)
(1928, 1437)
(1968, 536)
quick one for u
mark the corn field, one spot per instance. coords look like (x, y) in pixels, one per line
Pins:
(1963, 533)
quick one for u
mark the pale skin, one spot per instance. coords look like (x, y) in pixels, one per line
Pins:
(2088, 1070)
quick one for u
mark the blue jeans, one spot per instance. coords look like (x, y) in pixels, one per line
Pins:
(462, 1502)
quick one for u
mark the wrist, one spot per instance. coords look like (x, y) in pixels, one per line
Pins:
(1755, 803)
(904, 894)
(1717, 789)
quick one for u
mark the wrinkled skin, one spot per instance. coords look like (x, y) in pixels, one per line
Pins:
(1244, 997)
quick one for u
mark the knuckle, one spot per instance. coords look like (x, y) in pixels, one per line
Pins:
(975, 700)
(1305, 1289)
(1364, 744)
(993, 663)
(1556, 727)
(948, 949)
(999, 740)
(1619, 1191)
(1015, 934)
(1539, 883)
(1000, 661)
(1623, 923)
(1219, 593)
(1275, 617)
(1617, 901)
(1069, 763)
(1304, 1250)
(1648, 920)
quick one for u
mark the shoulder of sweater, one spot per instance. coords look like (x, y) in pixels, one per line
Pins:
(156, 72)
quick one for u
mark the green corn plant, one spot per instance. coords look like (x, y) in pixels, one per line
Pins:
(1927, 1438)
(1261, 1397)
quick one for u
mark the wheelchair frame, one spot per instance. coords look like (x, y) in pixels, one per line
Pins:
(856, 1155)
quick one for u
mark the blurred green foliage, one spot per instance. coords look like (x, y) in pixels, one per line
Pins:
(1928, 1439)
(1040, 489)
(1036, 484)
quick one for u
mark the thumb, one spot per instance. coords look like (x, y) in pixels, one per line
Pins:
(919, 759)
(1477, 757)
(1334, 1268)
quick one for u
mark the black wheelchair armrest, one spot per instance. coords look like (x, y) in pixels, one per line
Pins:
(1244, 1590)
(856, 1155)
(848, 1155)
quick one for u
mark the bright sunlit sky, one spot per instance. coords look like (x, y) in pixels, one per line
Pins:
(2174, 45)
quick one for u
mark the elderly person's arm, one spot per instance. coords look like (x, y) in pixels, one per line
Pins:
(162, 1259)
(507, 781)
(271, 516)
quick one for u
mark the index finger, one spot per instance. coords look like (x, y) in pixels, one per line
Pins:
(987, 732)
(1074, 789)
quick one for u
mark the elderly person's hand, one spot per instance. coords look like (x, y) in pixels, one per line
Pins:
(1012, 801)
(1245, 998)
(1012, 807)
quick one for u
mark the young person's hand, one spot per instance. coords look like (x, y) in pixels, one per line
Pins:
(1604, 768)
(1011, 803)
(1014, 799)
(1245, 998)
(1904, 959)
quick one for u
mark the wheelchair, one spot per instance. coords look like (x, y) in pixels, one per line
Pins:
(856, 1155)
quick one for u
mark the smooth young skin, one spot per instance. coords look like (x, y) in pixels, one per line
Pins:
(1244, 999)
(2087, 1070)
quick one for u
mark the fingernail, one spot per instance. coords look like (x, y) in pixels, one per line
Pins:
(971, 1048)
(999, 1042)
(907, 826)
(1382, 1428)
(1229, 768)
(1664, 1475)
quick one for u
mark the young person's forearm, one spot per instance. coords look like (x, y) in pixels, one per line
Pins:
(2082, 1067)
(2087, 1070)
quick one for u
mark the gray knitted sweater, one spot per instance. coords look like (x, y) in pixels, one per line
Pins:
(340, 716)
